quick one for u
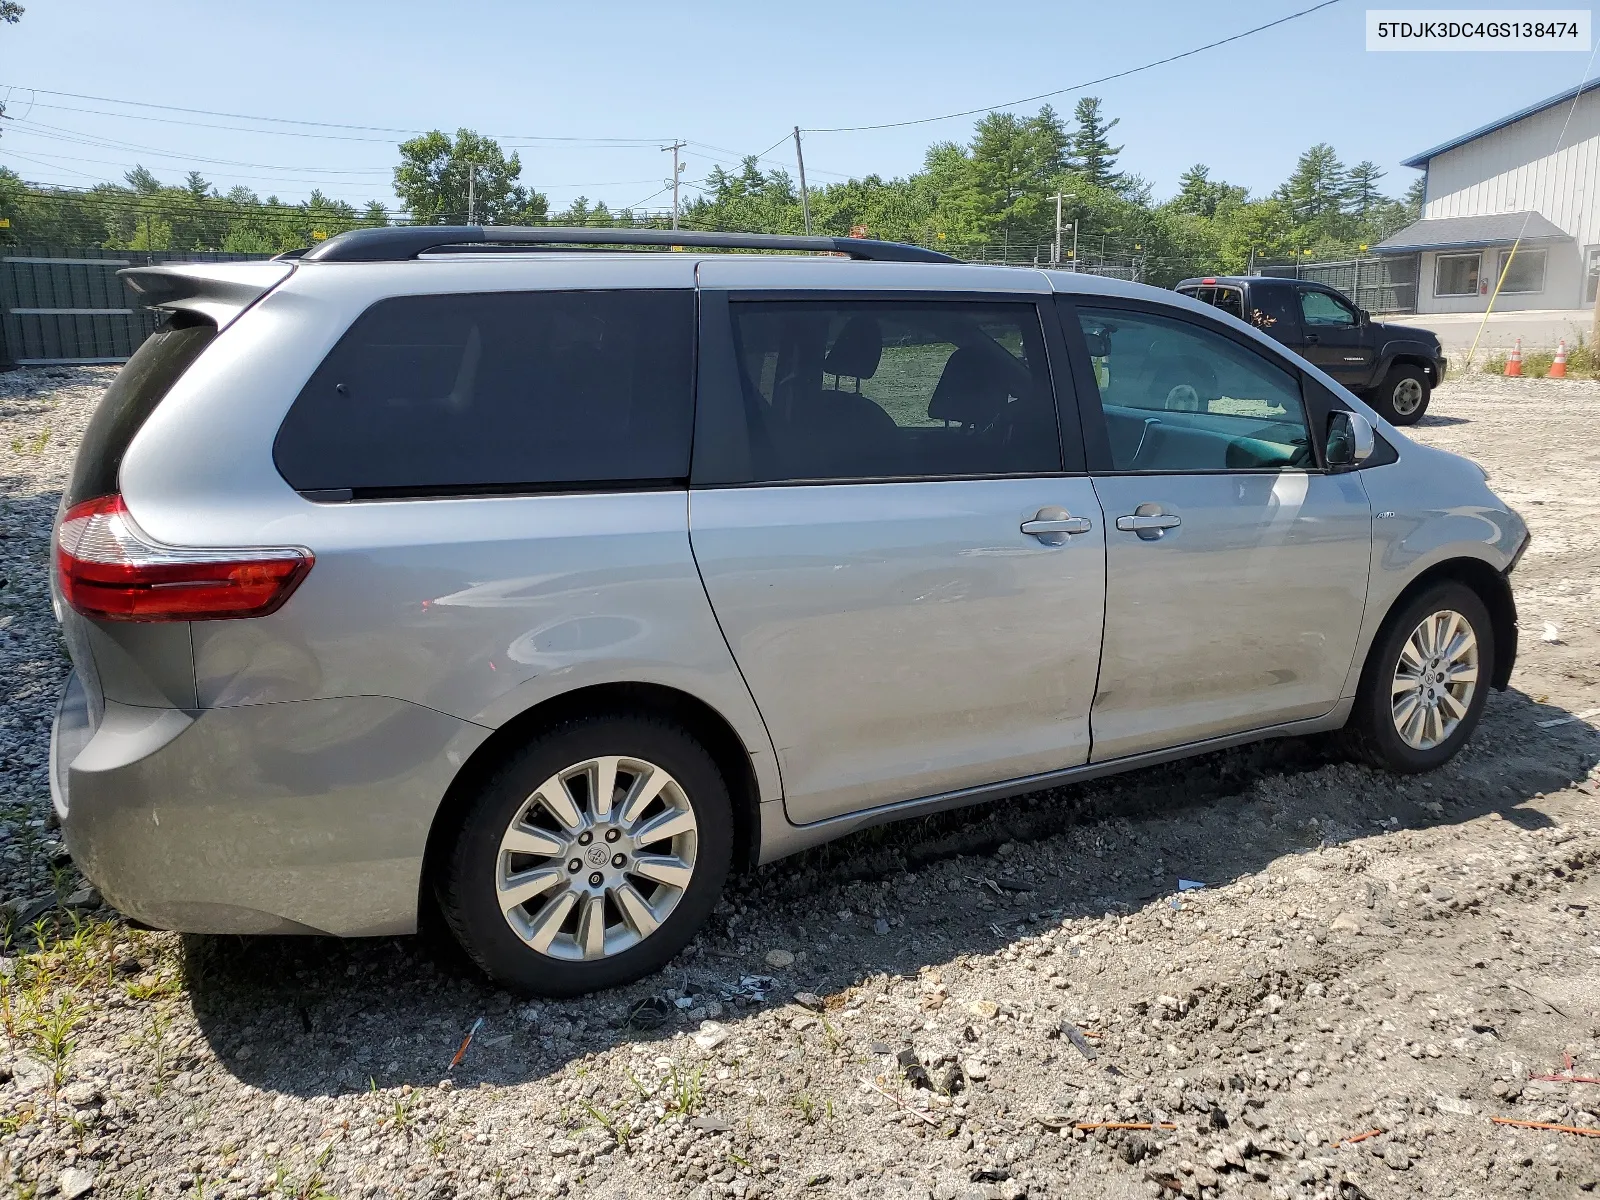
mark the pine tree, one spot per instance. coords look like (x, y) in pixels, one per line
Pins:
(1091, 153)
(1201, 196)
(1316, 193)
(1416, 196)
(1363, 190)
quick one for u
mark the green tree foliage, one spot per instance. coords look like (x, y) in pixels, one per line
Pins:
(991, 196)
(432, 181)
(1091, 153)
(144, 214)
(1200, 196)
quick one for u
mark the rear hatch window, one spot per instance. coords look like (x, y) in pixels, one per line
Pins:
(141, 385)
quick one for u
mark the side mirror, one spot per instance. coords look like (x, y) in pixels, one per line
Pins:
(1350, 440)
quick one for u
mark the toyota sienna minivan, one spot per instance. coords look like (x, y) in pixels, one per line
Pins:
(546, 575)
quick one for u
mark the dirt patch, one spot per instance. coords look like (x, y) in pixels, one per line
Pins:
(979, 1004)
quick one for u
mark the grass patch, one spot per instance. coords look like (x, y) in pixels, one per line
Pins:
(1583, 362)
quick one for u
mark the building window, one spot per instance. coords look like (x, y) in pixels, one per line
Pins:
(1455, 275)
(1591, 274)
(1526, 273)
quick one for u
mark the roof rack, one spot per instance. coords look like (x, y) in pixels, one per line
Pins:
(396, 243)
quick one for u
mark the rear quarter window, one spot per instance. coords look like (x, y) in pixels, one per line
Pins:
(505, 391)
(139, 387)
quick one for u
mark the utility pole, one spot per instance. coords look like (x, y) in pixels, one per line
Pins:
(677, 172)
(1055, 248)
(1055, 260)
(1075, 224)
(472, 180)
(805, 200)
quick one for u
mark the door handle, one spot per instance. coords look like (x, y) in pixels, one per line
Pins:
(1063, 525)
(1311, 339)
(1149, 526)
(1052, 525)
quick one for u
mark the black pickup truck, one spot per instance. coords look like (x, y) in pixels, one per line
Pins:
(1392, 367)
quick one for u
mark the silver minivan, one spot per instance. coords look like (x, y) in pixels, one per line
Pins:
(549, 575)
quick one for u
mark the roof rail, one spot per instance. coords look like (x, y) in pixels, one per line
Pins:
(396, 243)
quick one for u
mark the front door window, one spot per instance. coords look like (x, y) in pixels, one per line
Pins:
(1178, 397)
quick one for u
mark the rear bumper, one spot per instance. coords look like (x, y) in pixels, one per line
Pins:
(305, 817)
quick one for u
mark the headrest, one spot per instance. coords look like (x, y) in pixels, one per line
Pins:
(857, 350)
(970, 390)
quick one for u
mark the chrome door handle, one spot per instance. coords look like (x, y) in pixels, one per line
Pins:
(1052, 524)
(1148, 525)
(1062, 525)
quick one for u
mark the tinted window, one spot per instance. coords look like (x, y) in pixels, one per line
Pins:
(1319, 308)
(1179, 397)
(133, 395)
(499, 392)
(1270, 312)
(894, 389)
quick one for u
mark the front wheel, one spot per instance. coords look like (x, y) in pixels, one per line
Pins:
(590, 858)
(1403, 396)
(1426, 682)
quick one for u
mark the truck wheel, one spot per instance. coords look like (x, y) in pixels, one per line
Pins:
(590, 858)
(1403, 396)
(1426, 682)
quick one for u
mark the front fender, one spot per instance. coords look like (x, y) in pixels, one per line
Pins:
(1429, 509)
(1399, 348)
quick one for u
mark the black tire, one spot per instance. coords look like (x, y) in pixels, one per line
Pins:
(1403, 396)
(1371, 734)
(466, 882)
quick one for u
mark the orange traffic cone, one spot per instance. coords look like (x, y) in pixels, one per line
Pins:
(1558, 369)
(1514, 363)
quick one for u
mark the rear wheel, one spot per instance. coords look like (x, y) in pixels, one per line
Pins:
(1403, 396)
(591, 858)
(1426, 682)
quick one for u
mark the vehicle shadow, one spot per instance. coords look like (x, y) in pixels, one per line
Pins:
(320, 1016)
(1431, 418)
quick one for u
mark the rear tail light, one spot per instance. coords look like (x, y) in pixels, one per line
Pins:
(110, 569)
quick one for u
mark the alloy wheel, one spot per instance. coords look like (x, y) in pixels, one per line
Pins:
(1407, 397)
(1435, 679)
(596, 858)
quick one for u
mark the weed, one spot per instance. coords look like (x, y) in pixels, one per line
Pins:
(31, 447)
(400, 1111)
(11, 1122)
(832, 1035)
(312, 1187)
(805, 1106)
(614, 1124)
(49, 1028)
(155, 1038)
(684, 1091)
(160, 988)
(740, 1160)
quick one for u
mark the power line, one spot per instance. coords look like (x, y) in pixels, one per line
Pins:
(203, 112)
(1171, 58)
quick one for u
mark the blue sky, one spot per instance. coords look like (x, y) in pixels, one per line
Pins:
(730, 78)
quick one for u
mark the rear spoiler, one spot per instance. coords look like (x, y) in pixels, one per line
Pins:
(219, 292)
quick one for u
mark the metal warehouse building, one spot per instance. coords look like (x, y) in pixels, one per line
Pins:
(1533, 175)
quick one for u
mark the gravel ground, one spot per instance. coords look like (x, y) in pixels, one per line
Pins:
(1375, 969)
